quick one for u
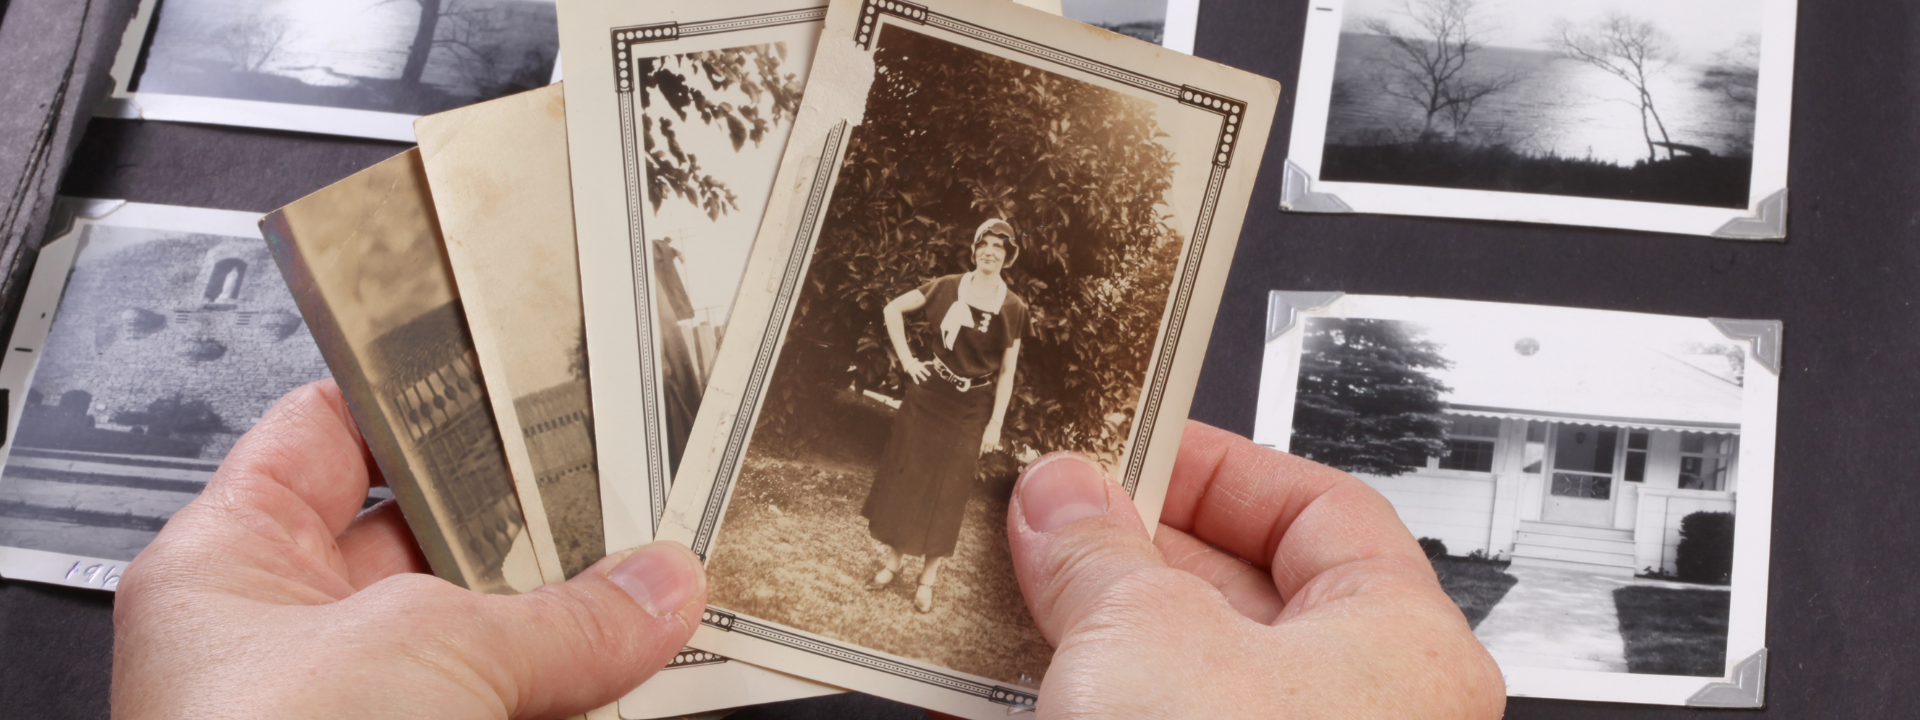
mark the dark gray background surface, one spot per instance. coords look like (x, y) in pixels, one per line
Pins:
(1846, 552)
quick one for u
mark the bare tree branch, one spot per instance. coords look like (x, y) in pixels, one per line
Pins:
(252, 41)
(1632, 50)
(1429, 64)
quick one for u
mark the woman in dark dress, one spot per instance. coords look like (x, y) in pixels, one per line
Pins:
(952, 411)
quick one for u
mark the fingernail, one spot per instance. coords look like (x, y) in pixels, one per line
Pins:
(661, 577)
(1058, 490)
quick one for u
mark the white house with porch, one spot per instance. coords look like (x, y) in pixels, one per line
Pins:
(1572, 454)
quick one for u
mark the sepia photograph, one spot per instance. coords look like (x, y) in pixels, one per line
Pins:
(1678, 104)
(713, 123)
(1576, 477)
(174, 335)
(397, 57)
(363, 258)
(672, 161)
(672, 164)
(945, 317)
(1168, 23)
(498, 174)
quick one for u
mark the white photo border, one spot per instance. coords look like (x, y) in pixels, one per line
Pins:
(1182, 25)
(1768, 181)
(39, 310)
(1747, 614)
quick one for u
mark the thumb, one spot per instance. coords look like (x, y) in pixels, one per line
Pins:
(570, 647)
(1079, 546)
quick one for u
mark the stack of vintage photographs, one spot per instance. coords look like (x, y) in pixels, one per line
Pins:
(757, 261)
(749, 267)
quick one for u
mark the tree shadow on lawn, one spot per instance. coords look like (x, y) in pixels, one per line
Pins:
(794, 550)
(1475, 585)
(1674, 631)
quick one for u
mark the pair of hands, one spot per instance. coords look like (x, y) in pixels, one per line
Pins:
(268, 597)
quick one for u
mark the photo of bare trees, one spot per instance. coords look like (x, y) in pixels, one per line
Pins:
(1630, 100)
(413, 57)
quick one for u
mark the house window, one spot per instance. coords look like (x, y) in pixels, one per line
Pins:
(1636, 456)
(1469, 444)
(1705, 461)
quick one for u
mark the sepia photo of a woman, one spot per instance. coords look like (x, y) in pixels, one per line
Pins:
(952, 410)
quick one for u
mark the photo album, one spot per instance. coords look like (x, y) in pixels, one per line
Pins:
(804, 284)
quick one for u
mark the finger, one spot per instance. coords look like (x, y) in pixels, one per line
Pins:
(1293, 517)
(562, 649)
(1247, 588)
(271, 513)
(378, 545)
(309, 445)
(1082, 555)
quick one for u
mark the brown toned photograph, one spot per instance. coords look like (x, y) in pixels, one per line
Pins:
(962, 315)
(364, 255)
(498, 172)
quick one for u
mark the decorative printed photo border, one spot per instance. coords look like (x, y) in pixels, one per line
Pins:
(783, 252)
(618, 286)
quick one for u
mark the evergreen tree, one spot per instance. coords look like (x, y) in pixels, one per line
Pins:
(1366, 402)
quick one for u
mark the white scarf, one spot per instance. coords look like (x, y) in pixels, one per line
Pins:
(958, 316)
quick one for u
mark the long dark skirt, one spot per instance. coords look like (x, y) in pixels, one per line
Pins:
(926, 473)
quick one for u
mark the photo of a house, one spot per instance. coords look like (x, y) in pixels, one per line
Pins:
(1582, 458)
(1573, 475)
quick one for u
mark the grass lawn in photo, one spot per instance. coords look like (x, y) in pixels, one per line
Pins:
(1474, 584)
(1673, 631)
(798, 505)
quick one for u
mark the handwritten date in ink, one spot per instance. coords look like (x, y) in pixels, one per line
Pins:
(100, 575)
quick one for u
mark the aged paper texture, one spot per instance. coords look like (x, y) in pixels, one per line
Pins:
(499, 176)
(364, 262)
(995, 234)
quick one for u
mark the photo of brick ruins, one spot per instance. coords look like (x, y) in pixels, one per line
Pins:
(165, 349)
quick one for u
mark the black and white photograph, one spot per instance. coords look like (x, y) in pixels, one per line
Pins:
(364, 261)
(175, 334)
(1634, 101)
(1576, 477)
(1168, 23)
(353, 67)
(958, 315)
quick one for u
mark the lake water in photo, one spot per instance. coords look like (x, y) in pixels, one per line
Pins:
(1562, 106)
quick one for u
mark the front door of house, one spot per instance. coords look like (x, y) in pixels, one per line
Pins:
(1583, 479)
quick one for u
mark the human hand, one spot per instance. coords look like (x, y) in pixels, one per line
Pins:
(1275, 587)
(266, 597)
(990, 440)
(916, 369)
